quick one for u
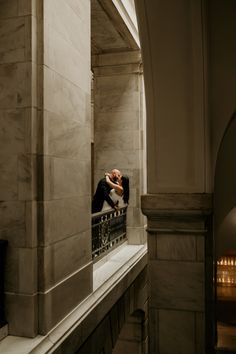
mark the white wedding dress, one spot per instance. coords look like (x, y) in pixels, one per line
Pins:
(115, 197)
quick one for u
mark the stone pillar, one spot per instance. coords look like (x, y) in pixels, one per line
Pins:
(180, 269)
(65, 267)
(119, 120)
(18, 151)
(173, 41)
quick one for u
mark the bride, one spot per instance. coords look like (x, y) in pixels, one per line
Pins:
(119, 192)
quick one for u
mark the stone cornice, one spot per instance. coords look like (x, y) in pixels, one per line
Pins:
(168, 204)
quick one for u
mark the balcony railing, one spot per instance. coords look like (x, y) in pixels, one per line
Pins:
(108, 231)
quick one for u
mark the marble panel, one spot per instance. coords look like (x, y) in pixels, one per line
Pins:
(177, 285)
(81, 8)
(200, 332)
(105, 121)
(12, 131)
(12, 227)
(33, 131)
(200, 240)
(58, 224)
(122, 159)
(27, 182)
(115, 102)
(117, 70)
(176, 332)
(154, 329)
(176, 247)
(69, 62)
(31, 223)
(136, 235)
(12, 40)
(122, 83)
(60, 300)
(15, 85)
(26, 7)
(152, 246)
(54, 262)
(59, 14)
(114, 139)
(109, 59)
(8, 8)
(22, 309)
(8, 177)
(66, 138)
(21, 270)
(69, 178)
(64, 98)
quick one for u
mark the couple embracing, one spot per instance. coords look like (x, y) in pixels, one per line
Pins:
(112, 192)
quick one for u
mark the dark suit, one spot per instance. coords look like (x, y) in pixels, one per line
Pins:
(101, 194)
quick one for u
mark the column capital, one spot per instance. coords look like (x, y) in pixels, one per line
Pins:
(177, 212)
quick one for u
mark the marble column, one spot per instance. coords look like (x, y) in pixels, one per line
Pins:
(180, 269)
(119, 127)
(65, 266)
(179, 181)
(18, 160)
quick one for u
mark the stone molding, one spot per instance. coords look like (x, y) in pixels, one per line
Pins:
(121, 58)
(177, 212)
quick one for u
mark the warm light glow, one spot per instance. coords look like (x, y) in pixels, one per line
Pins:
(226, 271)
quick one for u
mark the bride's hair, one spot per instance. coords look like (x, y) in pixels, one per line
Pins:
(125, 185)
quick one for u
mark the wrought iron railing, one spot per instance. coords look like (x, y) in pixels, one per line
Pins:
(108, 231)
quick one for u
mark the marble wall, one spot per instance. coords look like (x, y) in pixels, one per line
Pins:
(180, 273)
(45, 159)
(174, 57)
(18, 151)
(65, 269)
(119, 120)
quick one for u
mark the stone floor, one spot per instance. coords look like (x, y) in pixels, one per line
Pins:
(226, 339)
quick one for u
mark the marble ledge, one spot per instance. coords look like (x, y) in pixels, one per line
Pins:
(108, 272)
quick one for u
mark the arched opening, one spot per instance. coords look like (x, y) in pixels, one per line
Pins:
(225, 239)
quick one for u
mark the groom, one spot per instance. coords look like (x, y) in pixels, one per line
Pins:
(102, 192)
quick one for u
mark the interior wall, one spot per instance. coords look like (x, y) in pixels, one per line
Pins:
(222, 70)
(65, 268)
(119, 121)
(222, 104)
(18, 149)
(174, 62)
(225, 193)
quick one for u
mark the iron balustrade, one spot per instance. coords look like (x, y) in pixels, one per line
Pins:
(3, 248)
(108, 231)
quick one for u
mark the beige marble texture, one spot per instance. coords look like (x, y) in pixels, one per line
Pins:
(64, 98)
(59, 224)
(177, 285)
(56, 263)
(22, 309)
(12, 39)
(21, 271)
(52, 304)
(12, 131)
(65, 137)
(15, 89)
(176, 247)
(176, 332)
(13, 223)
